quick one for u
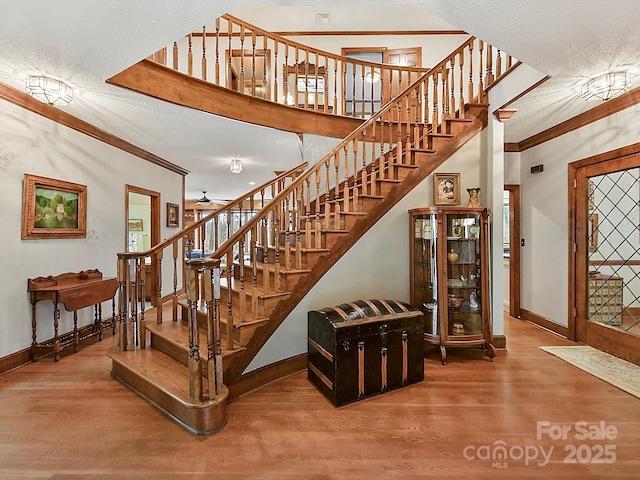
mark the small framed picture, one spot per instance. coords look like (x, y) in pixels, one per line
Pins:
(173, 212)
(446, 189)
(136, 225)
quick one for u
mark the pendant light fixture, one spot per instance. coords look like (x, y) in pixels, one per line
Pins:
(235, 166)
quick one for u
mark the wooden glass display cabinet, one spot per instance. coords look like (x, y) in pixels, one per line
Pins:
(450, 276)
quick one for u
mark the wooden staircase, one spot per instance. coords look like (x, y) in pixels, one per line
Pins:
(242, 292)
(159, 371)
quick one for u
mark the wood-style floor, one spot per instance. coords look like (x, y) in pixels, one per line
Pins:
(72, 420)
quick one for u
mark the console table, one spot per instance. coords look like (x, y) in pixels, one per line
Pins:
(74, 291)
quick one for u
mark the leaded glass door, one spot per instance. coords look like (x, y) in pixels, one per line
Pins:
(607, 255)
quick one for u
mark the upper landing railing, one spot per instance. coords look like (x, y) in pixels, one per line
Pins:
(245, 58)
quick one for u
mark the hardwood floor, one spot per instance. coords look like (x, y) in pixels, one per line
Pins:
(71, 420)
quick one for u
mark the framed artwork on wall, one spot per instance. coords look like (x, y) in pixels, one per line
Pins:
(53, 208)
(446, 188)
(136, 225)
(173, 215)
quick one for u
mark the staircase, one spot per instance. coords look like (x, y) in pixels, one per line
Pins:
(241, 293)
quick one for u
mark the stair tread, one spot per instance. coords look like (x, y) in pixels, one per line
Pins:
(290, 271)
(324, 230)
(348, 212)
(441, 134)
(158, 369)
(424, 150)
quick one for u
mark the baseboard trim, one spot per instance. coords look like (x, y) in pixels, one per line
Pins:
(88, 335)
(269, 373)
(15, 360)
(544, 323)
(499, 341)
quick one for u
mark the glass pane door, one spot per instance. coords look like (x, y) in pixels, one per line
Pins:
(464, 292)
(613, 240)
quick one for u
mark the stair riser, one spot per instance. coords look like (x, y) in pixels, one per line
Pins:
(266, 304)
(437, 142)
(385, 188)
(308, 259)
(287, 281)
(241, 335)
(345, 221)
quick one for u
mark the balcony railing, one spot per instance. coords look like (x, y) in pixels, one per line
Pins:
(239, 56)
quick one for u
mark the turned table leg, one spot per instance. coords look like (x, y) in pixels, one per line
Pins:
(76, 335)
(34, 326)
(56, 339)
(98, 311)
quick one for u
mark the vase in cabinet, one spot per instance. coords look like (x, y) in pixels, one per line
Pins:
(449, 276)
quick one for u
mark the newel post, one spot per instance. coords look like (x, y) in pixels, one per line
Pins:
(203, 287)
(193, 357)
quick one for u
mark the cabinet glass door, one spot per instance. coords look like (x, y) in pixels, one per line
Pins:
(424, 270)
(464, 285)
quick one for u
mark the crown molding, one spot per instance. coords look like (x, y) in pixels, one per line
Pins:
(24, 100)
(604, 110)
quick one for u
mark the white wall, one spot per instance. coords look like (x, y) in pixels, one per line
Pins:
(377, 266)
(544, 208)
(511, 168)
(32, 144)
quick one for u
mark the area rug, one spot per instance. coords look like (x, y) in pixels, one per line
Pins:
(619, 373)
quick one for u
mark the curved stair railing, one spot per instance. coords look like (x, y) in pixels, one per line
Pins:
(265, 65)
(131, 272)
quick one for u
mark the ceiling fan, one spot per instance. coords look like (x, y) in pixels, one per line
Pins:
(204, 200)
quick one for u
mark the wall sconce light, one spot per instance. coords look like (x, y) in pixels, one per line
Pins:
(606, 87)
(49, 90)
(235, 166)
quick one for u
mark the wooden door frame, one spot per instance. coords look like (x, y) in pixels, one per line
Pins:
(601, 337)
(155, 226)
(514, 249)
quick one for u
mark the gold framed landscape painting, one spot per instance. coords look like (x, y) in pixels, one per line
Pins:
(446, 189)
(53, 208)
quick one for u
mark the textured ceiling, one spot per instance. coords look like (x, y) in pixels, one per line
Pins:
(84, 43)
